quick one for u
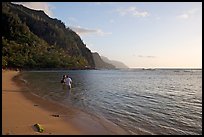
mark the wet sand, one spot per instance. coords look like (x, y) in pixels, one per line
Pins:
(21, 110)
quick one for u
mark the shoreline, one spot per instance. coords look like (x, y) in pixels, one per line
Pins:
(21, 110)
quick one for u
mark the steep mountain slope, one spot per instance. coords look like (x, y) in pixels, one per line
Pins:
(117, 64)
(100, 64)
(31, 39)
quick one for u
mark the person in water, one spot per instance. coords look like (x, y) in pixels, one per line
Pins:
(63, 79)
(68, 82)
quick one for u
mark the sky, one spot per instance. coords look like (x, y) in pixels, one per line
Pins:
(139, 34)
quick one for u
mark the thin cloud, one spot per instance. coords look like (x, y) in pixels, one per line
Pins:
(133, 11)
(141, 56)
(38, 6)
(184, 16)
(188, 14)
(84, 31)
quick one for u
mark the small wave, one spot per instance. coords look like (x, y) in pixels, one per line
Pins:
(141, 131)
(24, 81)
(171, 130)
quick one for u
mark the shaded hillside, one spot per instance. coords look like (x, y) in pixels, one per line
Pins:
(117, 64)
(31, 39)
(100, 64)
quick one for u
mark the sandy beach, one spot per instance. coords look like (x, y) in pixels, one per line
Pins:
(21, 110)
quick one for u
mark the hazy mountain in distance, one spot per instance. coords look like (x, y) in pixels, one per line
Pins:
(117, 64)
(100, 64)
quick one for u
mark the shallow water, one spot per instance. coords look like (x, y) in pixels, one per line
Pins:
(157, 101)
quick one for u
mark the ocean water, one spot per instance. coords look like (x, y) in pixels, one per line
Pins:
(160, 101)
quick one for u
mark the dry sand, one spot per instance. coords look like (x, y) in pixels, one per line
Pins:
(21, 110)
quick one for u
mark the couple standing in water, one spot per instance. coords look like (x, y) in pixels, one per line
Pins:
(66, 81)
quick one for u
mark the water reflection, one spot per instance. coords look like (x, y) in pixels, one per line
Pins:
(154, 102)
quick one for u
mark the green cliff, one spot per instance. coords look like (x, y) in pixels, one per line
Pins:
(33, 40)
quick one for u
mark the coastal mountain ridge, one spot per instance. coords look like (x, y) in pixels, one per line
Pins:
(100, 64)
(117, 64)
(33, 40)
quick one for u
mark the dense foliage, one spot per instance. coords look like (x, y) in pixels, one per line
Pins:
(31, 39)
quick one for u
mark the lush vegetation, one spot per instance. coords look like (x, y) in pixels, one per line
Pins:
(32, 40)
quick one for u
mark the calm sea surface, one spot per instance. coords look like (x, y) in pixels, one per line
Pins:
(157, 101)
